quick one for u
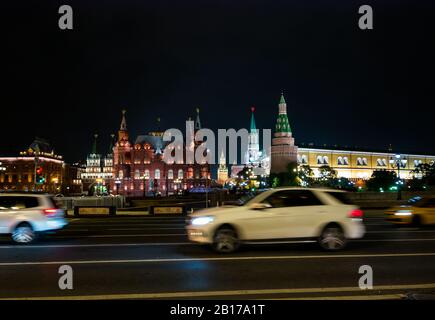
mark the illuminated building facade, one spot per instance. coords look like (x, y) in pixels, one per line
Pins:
(139, 169)
(39, 169)
(351, 164)
(98, 174)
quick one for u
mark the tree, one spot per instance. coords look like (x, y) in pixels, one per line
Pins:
(327, 175)
(381, 180)
(305, 175)
(426, 172)
(288, 178)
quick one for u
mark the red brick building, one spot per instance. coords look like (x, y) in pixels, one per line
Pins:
(139, 169)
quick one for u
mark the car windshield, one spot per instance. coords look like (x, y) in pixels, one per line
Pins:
(246, 199)
(415, 201)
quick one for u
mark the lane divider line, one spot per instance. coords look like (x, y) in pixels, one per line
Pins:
(332, 256)
(225, 293)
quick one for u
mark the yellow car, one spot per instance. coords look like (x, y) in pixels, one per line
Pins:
(418, 211)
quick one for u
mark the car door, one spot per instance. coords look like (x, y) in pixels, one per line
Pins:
(7, 213)
(298, 217)
(291, 215)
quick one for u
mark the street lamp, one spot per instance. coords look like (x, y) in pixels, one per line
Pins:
(396, 161)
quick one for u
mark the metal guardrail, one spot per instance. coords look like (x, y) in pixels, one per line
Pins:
(69, 203)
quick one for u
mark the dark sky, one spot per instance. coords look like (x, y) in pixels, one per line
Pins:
(162, 59)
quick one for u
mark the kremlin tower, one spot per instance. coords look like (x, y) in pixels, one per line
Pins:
(283, 150)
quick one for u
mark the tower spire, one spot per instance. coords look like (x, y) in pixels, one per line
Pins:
(123, 121)
(253, 127)
(112, 143)
(282, 123)
(94, 145)
(198, 120)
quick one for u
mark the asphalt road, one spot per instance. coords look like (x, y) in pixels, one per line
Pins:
(150, 257)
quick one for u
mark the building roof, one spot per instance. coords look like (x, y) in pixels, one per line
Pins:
(41, 145)
(155, 141)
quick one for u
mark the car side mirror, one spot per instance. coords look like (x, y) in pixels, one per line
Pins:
(260, 206)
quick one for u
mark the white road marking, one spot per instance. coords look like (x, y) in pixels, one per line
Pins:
(97, 245)
(165, 295)
(301, 257)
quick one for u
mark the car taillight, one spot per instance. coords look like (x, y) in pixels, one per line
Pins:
(49, 212)
(356, 214)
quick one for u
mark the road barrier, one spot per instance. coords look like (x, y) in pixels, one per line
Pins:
(93, 210)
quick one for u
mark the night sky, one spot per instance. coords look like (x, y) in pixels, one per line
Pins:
(343, 85)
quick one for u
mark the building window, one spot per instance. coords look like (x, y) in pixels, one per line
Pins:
(137, 174)
(361, 162)
(121, 174)
(157, 174)
(180, 173)
(170, 174)
(147, 174)
(325, 160)
(340, 161)
(304, 159)
(190, 173)
(417, 163)
(319, 160)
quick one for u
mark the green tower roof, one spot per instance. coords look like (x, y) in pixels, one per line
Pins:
(282, 124)
(253, 126)
(282, 100)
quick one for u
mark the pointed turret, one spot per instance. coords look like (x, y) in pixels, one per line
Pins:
(282, 123)
(112, 143)
(253, 127)
(123, 121)
(94, 145)
(123, 133)
(197, 120)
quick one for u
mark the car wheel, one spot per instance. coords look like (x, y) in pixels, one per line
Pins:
(23, 234)
(332, 238)
(226, 240)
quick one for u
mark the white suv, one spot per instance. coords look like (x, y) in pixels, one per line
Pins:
(280, 214)
(23, 215)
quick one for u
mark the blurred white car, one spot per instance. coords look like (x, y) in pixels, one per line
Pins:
(24, 215)
(280, 214)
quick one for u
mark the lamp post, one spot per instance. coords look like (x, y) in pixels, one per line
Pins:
(396, 161)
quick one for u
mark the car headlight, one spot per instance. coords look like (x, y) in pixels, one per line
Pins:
(403, 213)
(200, 221)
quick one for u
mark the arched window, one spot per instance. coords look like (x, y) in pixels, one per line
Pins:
(204, 173)
(157, 174)
(325, 160)
(304, 159)
(417, 163)
(364, 161)
(190, 173)
(359, 162)
(180, 173)
(137, 174)
(319, 160)
(170, 174)
(345, 161)
(379, 163)
(121, 174)
(147, 174)
(340, 161)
